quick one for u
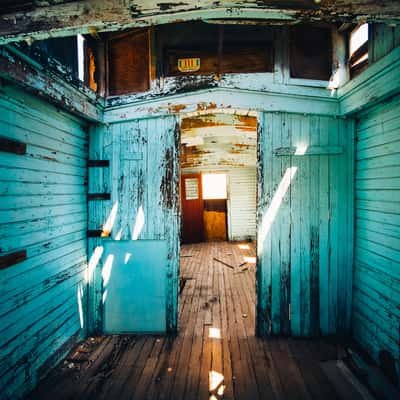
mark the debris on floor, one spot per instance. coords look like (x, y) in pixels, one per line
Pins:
(224, 263)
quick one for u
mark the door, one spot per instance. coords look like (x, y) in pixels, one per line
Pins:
(134, 282)
(304, 224)
(192, 208)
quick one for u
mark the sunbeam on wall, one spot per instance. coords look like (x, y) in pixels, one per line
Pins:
(93, 262)
(79, 295)
(269, 216)
(107, 227)
(107, 269)
(139, 224)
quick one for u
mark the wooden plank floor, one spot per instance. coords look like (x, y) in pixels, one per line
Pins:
(216, 354)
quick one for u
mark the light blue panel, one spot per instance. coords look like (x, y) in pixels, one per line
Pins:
(142, 180)
(134, 286)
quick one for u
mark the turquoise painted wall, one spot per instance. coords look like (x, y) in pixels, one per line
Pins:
(42, 210)
(305, 224)
(376, 311)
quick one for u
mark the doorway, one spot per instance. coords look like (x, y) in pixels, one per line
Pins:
(218, 201)
(204, 207)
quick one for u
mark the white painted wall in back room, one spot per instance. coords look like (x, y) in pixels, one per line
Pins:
(242, 204)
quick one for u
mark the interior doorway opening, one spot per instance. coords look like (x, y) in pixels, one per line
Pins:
(218, 173)
(218, 177)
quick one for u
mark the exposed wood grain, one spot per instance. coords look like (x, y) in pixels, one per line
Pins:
(129, 63)
(243, 59)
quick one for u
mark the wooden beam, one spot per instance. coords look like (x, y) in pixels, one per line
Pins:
(96, 233)
(13, 258)
(87, 16)
(12, 146)
(21, 71)
(275, 98)
(308, 151)
(378, 82)
(98, 163)
(98, 196)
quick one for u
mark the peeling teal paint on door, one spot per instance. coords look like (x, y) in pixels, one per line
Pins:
(144, 199)
(304, 238)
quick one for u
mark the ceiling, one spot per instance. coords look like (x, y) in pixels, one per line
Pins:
(218, 141)
(39, 19)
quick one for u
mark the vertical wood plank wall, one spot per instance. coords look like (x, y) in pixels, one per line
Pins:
(382, 39)
(376, 311)
(144, 184)
(305, 226)
(43, 211)
(242, 203)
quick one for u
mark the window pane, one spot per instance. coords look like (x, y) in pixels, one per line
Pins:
(81, 57)
(192, 188)
(310, 52)
(214, 186)
(358, 37)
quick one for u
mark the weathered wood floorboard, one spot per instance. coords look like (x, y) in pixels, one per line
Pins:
(216, 354)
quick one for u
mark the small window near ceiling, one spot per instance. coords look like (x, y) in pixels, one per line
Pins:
(310, 52)
(214, 186)
(358, 49)
(81, 57)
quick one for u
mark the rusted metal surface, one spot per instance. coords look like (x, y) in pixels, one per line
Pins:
(45, 19)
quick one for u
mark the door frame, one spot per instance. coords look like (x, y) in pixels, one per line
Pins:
(259, 310)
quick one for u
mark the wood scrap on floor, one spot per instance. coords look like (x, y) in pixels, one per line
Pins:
(224, 263)
(242, 270)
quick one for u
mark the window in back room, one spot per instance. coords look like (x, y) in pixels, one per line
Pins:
(214, 186)
(358, 49)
